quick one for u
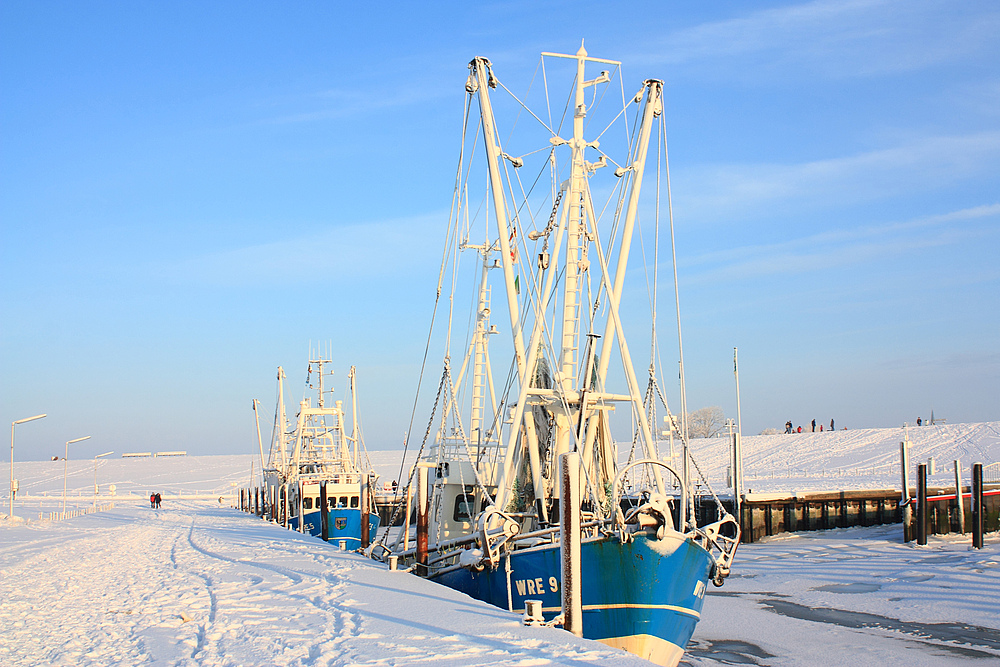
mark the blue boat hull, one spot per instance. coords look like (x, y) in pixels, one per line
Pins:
(644, 596)
(345, 525)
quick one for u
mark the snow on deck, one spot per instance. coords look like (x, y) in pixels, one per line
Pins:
(197, 583)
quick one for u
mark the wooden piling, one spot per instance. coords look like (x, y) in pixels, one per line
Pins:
(977, 506)
(569, 545)
(958, 495)
(365, 495)
(324, 513)
(922, 503)
(422, 520)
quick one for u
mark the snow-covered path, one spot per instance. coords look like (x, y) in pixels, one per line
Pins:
(200, 584)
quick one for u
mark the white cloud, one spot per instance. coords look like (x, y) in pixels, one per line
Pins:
(727, 192)
(384, 250)
(838, 248)
(858, 38)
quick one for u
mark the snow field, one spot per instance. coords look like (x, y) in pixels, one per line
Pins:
(196, 583)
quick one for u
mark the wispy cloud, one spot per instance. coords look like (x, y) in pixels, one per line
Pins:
(383, 250)
(342, 103)
(859, 38)
(838, 248)
(714, 192)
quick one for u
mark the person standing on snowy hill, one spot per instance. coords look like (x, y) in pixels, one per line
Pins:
(919, 421)
(831, 426)
(152, 501)
(800, 429)
(158, 499)
(814, 426)
(788, 426)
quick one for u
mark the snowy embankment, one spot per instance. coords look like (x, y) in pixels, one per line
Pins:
(846, 460)
(197, 583)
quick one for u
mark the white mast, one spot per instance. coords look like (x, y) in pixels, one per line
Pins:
(354, 415)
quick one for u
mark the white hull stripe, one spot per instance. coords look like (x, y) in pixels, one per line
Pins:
(625, 605)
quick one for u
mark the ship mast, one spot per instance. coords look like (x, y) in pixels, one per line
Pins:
(577, 409)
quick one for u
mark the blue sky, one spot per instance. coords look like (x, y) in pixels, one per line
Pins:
(190, 194)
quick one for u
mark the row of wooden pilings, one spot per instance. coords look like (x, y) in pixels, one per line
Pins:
(974, 509)
(934, 513)
(271, 503)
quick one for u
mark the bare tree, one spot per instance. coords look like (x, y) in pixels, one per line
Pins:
(706, 422)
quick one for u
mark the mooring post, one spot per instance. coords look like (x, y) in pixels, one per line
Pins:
(301, 508)
(284, 505)
(569, 544)
(922, 503)
(958, 495)
(904, 466)
(406, 519)
(977, 506)
(365, 489)
(422, 518)
(324, 513)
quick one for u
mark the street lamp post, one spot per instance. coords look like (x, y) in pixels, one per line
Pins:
(12, 424)
(99, 456)
(66, 466)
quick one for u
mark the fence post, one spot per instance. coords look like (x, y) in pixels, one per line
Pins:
(977, 506)
(922, 503)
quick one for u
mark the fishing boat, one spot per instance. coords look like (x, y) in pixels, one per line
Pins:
(319, 464)
(523, 496)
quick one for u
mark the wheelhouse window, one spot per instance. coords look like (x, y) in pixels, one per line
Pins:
(465, 507)
(307, 503)
(343, 502)
(355, 501)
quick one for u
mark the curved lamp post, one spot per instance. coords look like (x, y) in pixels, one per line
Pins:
(12, 424)
(99, 456)
(66, 466)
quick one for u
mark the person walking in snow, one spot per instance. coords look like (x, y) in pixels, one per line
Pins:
(158, 500)
(831, 426)
(919, 421)
(788, 426)
(814, 426)
(152, 501)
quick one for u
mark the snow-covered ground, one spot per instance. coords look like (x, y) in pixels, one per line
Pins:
(854, 596)
(198, 583)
